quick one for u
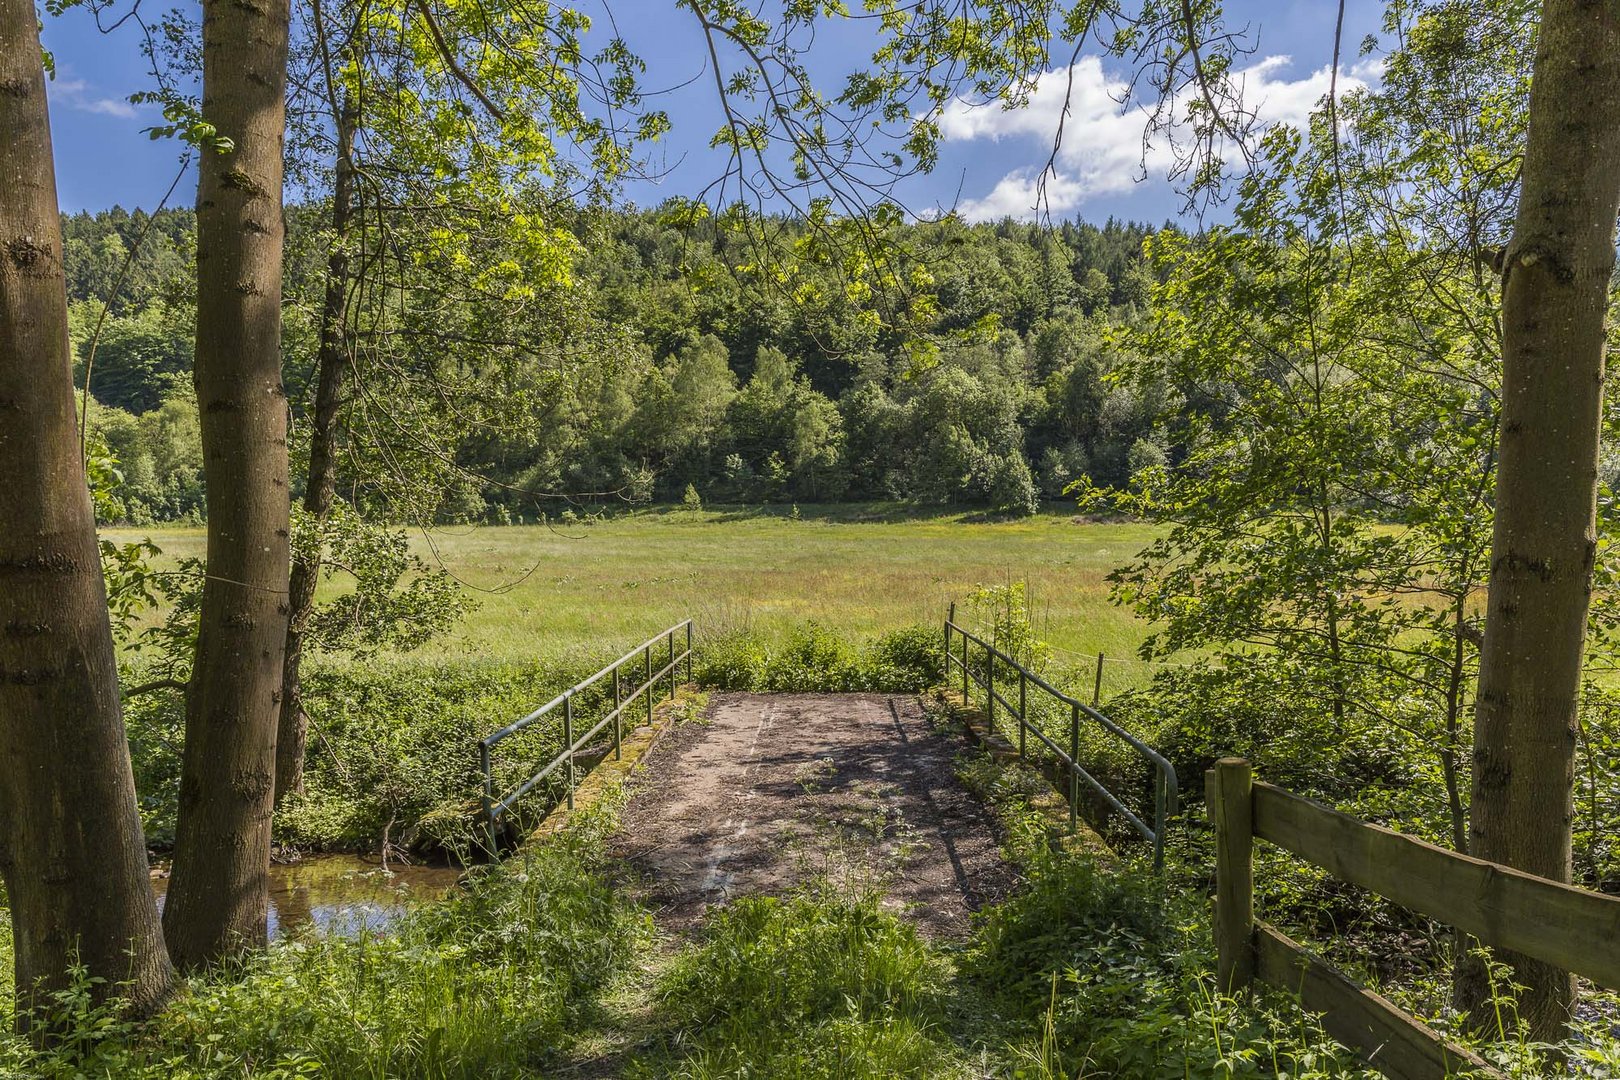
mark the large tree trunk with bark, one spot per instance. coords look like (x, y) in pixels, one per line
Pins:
(71, 851)
(321, 486)
(1557, 270)
(218, 897)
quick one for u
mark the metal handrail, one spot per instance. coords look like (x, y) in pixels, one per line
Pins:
(495, 807)
(1166, 790)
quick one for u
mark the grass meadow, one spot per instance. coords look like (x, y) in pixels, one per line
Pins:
(589, 590)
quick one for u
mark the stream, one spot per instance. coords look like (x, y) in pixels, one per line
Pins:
(344, 894)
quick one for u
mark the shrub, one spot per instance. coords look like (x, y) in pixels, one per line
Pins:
(734, 661)
(905, 660)
(815, 658)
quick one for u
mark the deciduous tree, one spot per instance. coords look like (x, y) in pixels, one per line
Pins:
(71, 852)
(218, 895)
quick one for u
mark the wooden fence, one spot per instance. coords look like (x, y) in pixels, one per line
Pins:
(1502, 907)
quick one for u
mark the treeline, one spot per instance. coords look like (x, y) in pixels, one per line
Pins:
(982, 381)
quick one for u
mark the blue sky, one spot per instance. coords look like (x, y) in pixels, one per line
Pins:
(988, 159)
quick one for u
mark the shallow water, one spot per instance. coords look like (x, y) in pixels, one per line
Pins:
(344, 894)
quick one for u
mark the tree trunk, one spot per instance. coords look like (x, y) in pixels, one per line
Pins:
(71, 851)
(321, 485)
(217, 897)
(1555, 292)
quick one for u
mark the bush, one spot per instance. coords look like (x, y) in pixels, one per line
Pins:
(905, 660)
(393, 747)
(734, 661)
(814, 658)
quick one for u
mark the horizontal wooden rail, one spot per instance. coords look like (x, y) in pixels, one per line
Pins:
(1504, 908)
(1573, 928)
(1390, 1040)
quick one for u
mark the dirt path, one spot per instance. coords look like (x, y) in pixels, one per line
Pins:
(772, 789)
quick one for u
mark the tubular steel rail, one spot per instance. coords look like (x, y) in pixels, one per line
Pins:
(1165, 788)
(495, 806)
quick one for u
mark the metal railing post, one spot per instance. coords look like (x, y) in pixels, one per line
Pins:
(568, 742)
(688, 650)
(1023, 710)
(672, 665)
(990, 687)
(966, 701)
(1074, 769)
(489, 796)
(618, 717)
(1161, 803)
(647, 686)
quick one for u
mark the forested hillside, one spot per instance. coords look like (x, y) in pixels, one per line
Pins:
(986, 383)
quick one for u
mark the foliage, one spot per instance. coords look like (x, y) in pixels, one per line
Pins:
(1337, 364)
(1000, 614)
(390, 598)
(1098, 967)
(812, 985)
(815, 658)
(643, 360)
(485, 984)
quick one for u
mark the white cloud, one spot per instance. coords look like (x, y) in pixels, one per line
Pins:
(1103, 150)
(77, 94)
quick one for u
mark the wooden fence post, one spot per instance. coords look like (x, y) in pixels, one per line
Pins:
(1231, 803)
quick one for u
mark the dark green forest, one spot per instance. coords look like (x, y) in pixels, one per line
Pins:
(999, 396)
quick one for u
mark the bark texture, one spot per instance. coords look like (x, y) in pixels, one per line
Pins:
(71, 851)
(333, 367)
(217, 898)
(1555, 292)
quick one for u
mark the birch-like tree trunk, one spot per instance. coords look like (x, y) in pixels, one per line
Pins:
(333, 368)
(1557, 271)
(71, 851)
(218, 896)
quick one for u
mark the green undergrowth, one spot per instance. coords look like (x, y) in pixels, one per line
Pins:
(487, 984)
(823, 983)
(814, 658)
(1101, 968)
(1094, 967)
(1098, 967)
(393, 747)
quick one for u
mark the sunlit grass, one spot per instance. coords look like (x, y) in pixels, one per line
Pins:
(592, 589)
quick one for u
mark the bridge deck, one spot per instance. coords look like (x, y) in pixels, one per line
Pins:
(775, 789)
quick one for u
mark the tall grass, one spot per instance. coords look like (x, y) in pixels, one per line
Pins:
(574, 592)
(819, 984)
